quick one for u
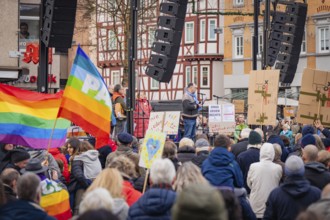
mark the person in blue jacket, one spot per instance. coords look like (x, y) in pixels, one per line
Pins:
(220, 168)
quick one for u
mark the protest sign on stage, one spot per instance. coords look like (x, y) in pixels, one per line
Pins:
(289, 112)
(156, 121)
(314, 99)
(171, 123)
(262, 97)
(239, 106)
(222, 118)
(152, 148)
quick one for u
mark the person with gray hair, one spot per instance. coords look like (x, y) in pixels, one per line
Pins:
(27, 206)
(321, 208)
(203, 149)
(243, 142)
(295, 194)
(315, 172)
(157, 202)
(98, 198)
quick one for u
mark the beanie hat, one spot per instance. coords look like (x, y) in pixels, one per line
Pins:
(308, 139)
(294, 165)
(18, 155)
(254, 138)
(202, 144)
(209, 205)
(307, 129)
(125, 138)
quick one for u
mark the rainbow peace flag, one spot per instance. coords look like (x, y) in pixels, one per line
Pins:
(86, 100)
(55, 200)
(27, 118)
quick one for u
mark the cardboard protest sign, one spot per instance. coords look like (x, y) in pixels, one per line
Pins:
(152, 148)
(156, 121)
(239, 106)
(289, 112)
(262, 97)
(171, 123)
(222, 118)
(314, 99)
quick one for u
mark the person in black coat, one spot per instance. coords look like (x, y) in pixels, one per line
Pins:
(251, 155)
(186, 150)
(157, 202)
(9, 178)
(202, 152)
(242, 144)
(4, 149)
(170, 152)
(315, 172)
(16, 158)
(294, 195)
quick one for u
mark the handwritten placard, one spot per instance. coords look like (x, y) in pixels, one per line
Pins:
(171, 123)
(152, 148)
(214, 113)
(222, 118)
(156, 121)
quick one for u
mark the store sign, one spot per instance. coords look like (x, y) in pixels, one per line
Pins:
(33, 79)
(32, 54)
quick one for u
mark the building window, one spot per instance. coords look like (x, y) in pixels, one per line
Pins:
(29, 25)
(151, 36)
(107, 76)
(238, 2)
(260, 43)
(324, 39)
(189, 32)
(188, 75)
(195, 75)
(205, 76)
(212, 26)
(303, 44)
(112, 40)
(238, 46)
(115, 75)
(154, 84)
(202, 30)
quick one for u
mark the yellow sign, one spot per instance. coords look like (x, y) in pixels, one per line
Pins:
(152, 148)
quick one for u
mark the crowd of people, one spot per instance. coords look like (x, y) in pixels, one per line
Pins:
(260, 176)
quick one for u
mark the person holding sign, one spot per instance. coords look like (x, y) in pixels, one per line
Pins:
(190, 106)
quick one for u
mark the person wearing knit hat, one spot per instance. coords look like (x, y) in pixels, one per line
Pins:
(202, 152)
(275, 139)
(307, 129)
(16, 158)
(209, 205)
(251, 155)
(308, 139)
(125, 138)
(294, 195)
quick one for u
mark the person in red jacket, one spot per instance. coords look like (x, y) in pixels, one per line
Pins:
(141, 115)
(58, 155)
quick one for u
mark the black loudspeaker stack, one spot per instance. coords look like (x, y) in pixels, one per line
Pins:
(287, 31)
(168, 37)
(58, 23)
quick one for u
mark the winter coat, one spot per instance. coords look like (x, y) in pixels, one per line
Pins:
(289, 135)
(118, 98)
(186, 153)
(326, 141)
(288, 200)
(189, 107)
(317, 174)
(3, 152)
(141, 117)
(240, 147)
(321, 208)
(155, 204)
(221, 169)
(131, 194)
(199, 158)
(77, 178)
(262, 178)
(23, 210)
(123, 150)
(103, 153)
(9, 193)
(92, 165)
(245, 159)
(120, 208)
(59, 156)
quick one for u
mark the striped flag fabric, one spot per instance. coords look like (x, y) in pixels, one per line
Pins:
(27, 118)
(86, 100)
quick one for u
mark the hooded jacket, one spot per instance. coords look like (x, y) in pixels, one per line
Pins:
(120, 208)
(199, 158)
(317, 174)
(92, 165)
(262, 178)
(221, 169)
(288, 200)
(155, 204)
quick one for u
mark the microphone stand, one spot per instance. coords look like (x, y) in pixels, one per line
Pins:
(217, 97)
(202, 111)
